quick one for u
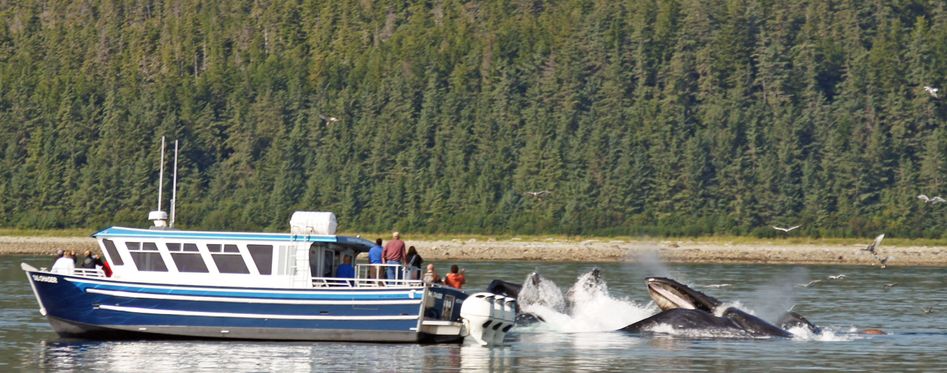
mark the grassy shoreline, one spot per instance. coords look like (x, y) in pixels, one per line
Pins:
(587, 249)
(734, 240)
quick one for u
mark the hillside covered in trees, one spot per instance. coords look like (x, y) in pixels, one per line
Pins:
(676, 117)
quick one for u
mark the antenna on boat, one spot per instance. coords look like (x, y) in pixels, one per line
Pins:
(174, 183)
(160, 218)
(161, 174)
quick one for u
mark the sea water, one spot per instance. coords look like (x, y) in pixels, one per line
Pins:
(579, 333)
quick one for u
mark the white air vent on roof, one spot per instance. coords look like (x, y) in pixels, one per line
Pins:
(313, 223)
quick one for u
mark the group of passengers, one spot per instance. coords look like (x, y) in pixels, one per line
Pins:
(397, 261)
(67, 261)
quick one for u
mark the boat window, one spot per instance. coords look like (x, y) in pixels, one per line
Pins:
(113, 253)
(263, 258)
(229, 259)
(146, 258)
(187, 260)
(328, 263)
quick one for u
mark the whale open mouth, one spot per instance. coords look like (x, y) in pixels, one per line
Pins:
(669, 294)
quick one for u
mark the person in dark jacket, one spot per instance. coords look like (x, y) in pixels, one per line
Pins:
(414, 264)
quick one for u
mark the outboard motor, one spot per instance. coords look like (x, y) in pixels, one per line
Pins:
(508, 318)
(488, 317)
(498, 319)
(477, 313)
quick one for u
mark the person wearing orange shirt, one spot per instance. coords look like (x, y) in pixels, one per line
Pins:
(454, 278)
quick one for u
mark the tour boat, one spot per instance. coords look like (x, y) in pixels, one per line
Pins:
(271, 286)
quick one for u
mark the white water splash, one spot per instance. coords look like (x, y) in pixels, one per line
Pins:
(719, 310)
(826, 335)
(589, 308)
(541, 293)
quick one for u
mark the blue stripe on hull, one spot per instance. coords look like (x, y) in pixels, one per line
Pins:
(322, 295)
(114, 318)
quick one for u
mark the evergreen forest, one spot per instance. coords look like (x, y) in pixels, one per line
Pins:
(637, 117)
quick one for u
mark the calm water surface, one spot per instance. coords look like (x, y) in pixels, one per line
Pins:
(917, 341)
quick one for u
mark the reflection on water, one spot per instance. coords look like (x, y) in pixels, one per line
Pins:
(915, 341)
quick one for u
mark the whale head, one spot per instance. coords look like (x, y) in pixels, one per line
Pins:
(669, 294)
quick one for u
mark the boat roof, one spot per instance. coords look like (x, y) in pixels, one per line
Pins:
(356, 242)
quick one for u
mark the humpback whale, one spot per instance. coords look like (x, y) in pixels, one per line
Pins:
(684, 308)
(539, 291)
(509, 289)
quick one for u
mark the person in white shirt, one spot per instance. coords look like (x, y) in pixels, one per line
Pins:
(65, 264)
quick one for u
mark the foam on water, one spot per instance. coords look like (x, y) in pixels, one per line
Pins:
(588, 307)
(827, 335)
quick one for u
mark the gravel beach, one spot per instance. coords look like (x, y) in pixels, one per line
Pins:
(599, 250)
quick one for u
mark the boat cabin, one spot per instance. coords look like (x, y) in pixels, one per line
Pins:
(308, 256)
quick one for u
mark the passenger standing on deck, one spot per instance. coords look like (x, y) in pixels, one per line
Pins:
(89, 261)
(431, 276)
(65, 264)
(455, 279)
(414, 264)
(345, 270)
(59, 254)
(374, 257)
(394, 254)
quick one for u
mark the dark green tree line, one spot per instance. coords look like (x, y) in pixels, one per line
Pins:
(665, 117)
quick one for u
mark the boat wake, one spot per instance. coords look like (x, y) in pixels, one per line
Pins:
(585, 307)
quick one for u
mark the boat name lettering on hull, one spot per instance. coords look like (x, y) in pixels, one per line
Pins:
(49, 279)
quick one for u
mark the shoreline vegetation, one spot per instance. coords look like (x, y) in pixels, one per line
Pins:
(660, 118)
(717, 249)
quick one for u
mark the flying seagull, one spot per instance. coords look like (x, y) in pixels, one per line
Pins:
(785, 229)
(935, 200)
(883, 261)
(932, 91)
(890, 285)
(873, 247)
(837, 277)
(328, 119)
(540, 194)
(928, 309)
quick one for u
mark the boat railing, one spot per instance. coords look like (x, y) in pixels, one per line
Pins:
(373, 275)
(86, 272)
(362, 282)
